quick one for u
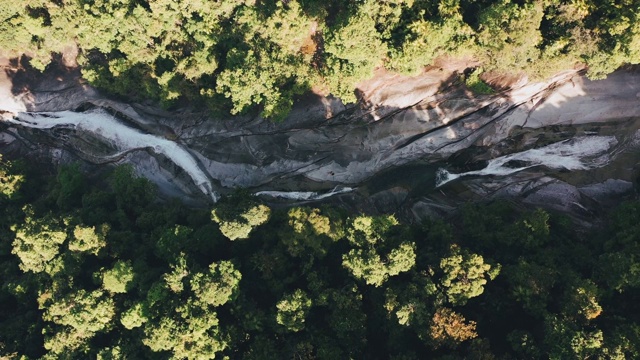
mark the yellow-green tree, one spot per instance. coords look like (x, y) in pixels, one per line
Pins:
(375, 257)
(190, 333)
(37, 241)
(184, 321)
(293, 309)
(76, 318)
(118, 279)
(313, 232)
(134, 317)
(217, 286)
(9, 182)
(87, 239)
(465, 275)
(238, 222)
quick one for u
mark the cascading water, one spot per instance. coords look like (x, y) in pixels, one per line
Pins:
(324, 145)
(304, 195)
(579, 153)
(100, 123)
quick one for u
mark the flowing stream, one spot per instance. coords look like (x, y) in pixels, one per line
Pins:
(304, 195)
(580, 153)
(122, 137)
(403, 142)
(125, 138)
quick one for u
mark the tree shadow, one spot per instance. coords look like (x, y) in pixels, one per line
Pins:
(33, 88)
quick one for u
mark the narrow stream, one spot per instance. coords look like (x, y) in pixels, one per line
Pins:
(580, 153)
(124, 138)
(566, 131)
(101, 124)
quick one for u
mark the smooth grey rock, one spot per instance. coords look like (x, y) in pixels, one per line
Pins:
(426, 119)
(608, 192)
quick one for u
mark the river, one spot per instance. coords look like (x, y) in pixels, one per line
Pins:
(447, 139)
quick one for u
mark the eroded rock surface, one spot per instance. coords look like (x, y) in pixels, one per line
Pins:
(390, 146)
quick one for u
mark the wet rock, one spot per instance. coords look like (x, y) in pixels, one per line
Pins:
(390, 200)
(426, 119)
(558, 196)
(424, 209)
(609, 192)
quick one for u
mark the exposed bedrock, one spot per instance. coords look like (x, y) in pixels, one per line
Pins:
(569, 143)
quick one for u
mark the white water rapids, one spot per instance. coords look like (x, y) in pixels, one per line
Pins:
(580, 153)
(102, 124)
(304, 195)
(123, 137)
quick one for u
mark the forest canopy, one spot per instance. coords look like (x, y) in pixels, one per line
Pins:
(245, 55)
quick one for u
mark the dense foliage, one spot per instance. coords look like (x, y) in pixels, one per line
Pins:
(236, 55)
(111, 273)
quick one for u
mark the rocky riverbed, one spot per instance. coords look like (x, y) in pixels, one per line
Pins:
(418, 146)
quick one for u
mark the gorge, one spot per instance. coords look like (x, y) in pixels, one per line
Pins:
(418, 146)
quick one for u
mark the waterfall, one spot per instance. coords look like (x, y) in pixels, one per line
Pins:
(580, 153)
(304, 195)
(124, 138)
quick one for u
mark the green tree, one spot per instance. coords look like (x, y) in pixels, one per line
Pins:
(464, 275)
(87, 239)
(411, 303)
(70, 186)
(173, 240)
(582, 301)
(79, 316)
(353, 49)
(118, 279)
(293, 309)
(564, 340)
(347, 319)
(256, 80)
(428, 39)
(132, 194)
(524, 344)
(510, 35)
(530, 285)
(218, 285)
(37, 241)
(271, 66)
(619, 264)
